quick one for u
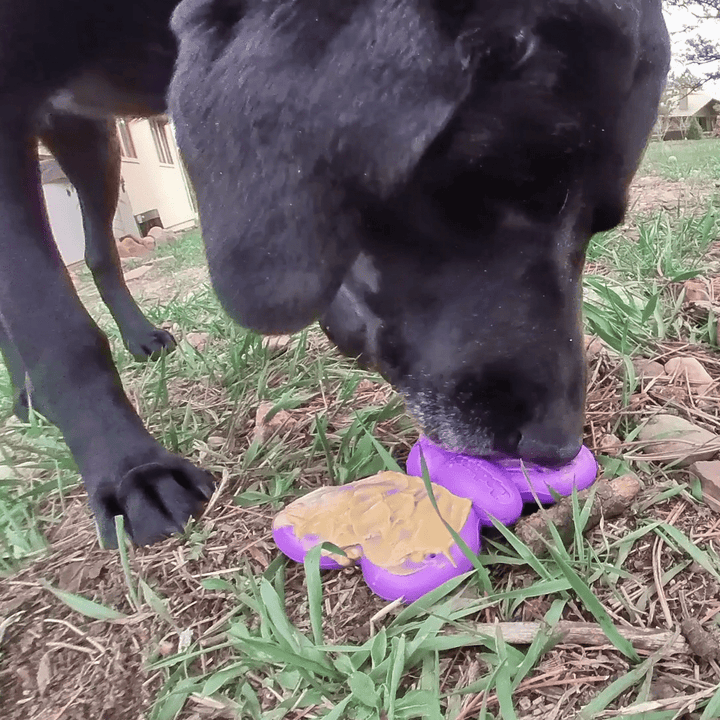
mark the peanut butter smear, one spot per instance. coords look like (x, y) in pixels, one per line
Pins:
(387, 517)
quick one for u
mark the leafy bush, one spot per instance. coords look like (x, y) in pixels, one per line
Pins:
(694, 131)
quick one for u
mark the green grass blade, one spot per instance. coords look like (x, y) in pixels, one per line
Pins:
(122, 541)
(84, 606)
(395, 671)
(363, 688)
(540, 643)
(314, 590)
(594, 606)
(338, 712)
(615, 689)
(503, 679)
(712, 709)
(481, 572)
(673, 535)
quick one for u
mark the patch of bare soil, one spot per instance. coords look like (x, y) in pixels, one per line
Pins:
(148, 280)
(651, 193)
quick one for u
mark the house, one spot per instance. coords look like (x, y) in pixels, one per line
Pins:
(155, 189)
(698, 105)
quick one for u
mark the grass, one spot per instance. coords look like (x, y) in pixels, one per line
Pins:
(683, 160)
(216, 624)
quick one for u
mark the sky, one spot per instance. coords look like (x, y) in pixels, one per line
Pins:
(677, 20)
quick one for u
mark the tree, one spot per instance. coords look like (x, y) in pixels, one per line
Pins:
(677, 87)
(700, 50)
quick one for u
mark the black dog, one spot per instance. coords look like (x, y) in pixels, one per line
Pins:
(422, 176)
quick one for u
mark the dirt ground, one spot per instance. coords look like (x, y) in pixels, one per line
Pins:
(650, 193)
(57, 665)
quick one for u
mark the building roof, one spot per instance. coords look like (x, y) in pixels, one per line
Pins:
(696, 101)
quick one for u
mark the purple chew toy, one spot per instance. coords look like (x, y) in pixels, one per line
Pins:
(499, 488)
(421, 577)
(388, 525)
(496, 489)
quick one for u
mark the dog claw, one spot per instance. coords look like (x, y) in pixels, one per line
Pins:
(155, 499)
(152, 345)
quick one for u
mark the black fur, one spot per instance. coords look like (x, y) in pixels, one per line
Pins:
(422, 176)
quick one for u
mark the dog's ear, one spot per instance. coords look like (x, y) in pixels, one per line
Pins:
(286, 112)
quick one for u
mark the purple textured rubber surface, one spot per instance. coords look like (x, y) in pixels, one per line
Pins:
(426, 576)
(296, 548)
(483, 482)
(423, 577)
(478, 479)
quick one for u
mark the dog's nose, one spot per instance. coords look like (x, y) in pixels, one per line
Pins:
(544, 447)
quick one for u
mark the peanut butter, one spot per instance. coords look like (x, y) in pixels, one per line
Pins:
(388, 518)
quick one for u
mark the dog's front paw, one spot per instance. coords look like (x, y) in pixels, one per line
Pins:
(150, 344)
(155, 499)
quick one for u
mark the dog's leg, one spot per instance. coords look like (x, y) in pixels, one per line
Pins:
(89, 153)
(16, 370)
(70, 365)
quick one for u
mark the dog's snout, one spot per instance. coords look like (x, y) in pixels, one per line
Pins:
(541, 445)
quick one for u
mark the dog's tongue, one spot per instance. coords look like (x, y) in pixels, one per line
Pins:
(512, 482)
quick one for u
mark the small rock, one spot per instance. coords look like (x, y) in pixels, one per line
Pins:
(609, 444)
(277, 343)
(690, 368)
(198, 340)
(524, 703)
(184, 640)
(215, 441)
(661, 689)
(594, 346)
(645, 368)
(264, 428)
(165, 648)
(708, 472)
(669, 438)
(148, 242)
(137, 273)
(161, 235)
(696, 290)
(130, 246)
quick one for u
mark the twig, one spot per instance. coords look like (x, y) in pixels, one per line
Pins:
(611, 499)
(704, 644)
(681, 702)
(657, 566)
(218, 491)
(578, 633)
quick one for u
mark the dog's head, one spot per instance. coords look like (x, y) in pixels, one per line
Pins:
(423, 177)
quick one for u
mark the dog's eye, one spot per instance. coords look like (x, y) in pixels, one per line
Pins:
(499, 55)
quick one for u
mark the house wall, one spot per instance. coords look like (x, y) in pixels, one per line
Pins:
(147, 184)
(63, 207)
(152, 185)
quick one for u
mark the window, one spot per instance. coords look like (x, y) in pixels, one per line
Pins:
(162, 144)
(127, 146)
